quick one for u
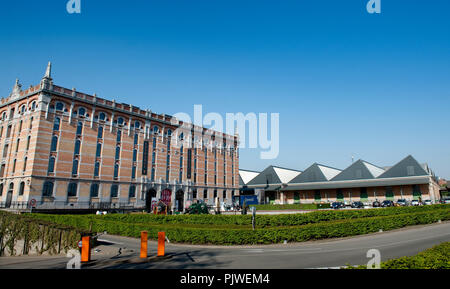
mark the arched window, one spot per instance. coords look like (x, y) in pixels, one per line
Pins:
(31, 122)
(20, 125)
(100, 132)
(17, 144)
(77, 147)
(169, 132)
(14, 166)
(54, 144)
(33, 105)
(79, 128)
(56, 124)
(132, 192)
(94, 190)
(155, 129)
(25, 164)
(47, 190)
(102, 116)
(120, 121)
(59, 106)
(114, 191)
(51, 165)
(72, 190)
(136, 139)
(28, 142)
(22, 109)
(75, 167)
(81, 112)
(21, 188)
(137, 125)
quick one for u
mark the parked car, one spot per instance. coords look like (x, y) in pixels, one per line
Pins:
(428, 202)
(445, 201)
(357, 205)
(337, 205)
(402, 202)
(387, 203)
(415, 203)
(376, 204)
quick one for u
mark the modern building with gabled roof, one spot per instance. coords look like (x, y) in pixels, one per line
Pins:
(361, 181)
(245, 176)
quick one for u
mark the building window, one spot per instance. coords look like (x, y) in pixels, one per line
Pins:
(51, 165)
(136, 139)
(25, 164)
(20, 125)
(75, 167)
(72, 190)
(133, 172)
(224, 196)
(8, 131)
(54, 145)
(194, 194)
(1, 190)
(28, 142)
(14, 166)
(153, 175)
(117, 152)
(116, 171)
(215, 194)
(5, 150)
(79, 128)
(77, 147)
(81, 112)
(56, 124)
(31, 122)
(100, 132)
(98, 152)
(94, 190)
(17, 145)
(119, 136)
(132, 192)
(59, 106)
(205, 194)
(114, 191)
(145, 159)
(134, 155)
(47, 190)
(97, 169)
(102, 116)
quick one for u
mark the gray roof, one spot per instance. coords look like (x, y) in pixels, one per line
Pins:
(315, 173)
(359, 170)
(270, 176)
(406, 167)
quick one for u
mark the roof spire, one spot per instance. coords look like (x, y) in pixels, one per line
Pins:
(48, 72)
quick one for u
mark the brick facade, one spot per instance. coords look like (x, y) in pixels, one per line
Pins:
(66, 149)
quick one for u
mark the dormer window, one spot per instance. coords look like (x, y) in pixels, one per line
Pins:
(59, 106)
(81, 112)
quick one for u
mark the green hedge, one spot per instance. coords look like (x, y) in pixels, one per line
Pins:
(262, 221)
(437, 257)
(270, 207)
(224, 235)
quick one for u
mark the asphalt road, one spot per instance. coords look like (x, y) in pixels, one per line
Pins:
(317, 254)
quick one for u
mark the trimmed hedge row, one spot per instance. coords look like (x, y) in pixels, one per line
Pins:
(437, 257)
(246, 220)
(241, 236)
(269, 207)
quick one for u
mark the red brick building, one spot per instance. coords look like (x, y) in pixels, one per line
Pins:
(62, 149)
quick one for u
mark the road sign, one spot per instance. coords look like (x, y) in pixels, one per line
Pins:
(33, 203)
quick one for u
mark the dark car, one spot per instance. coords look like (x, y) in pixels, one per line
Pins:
(402, 202)
(376, 204)
(357, 205)
(337, 205)
(387, 203)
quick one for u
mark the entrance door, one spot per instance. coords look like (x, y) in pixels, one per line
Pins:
(179, 199)
(148, 199)
(389, 194)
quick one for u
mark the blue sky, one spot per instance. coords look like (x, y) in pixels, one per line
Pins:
(345, 82)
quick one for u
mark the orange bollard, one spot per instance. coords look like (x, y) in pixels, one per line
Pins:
(161, 244)
(144, 244)
(86, 249)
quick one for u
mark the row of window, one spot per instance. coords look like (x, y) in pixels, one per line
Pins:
(72, 188)
(205, 194)
(11, 189)
(22, 109)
